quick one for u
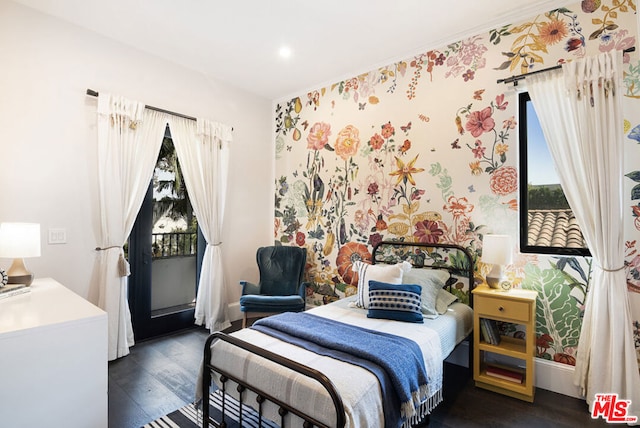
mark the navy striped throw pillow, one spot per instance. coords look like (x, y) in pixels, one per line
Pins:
(400, 302)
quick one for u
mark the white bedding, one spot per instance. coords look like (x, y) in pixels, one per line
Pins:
(359, 389)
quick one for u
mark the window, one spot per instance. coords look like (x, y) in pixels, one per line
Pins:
(547, 224)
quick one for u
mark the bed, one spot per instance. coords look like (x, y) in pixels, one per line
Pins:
(293, 386)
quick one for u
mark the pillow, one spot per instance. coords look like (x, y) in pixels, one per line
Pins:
(391, 274)
(426, 274)
(431, 281)
(444, 300)
(400, 302)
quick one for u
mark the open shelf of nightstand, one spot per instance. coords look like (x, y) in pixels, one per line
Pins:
(509, 346)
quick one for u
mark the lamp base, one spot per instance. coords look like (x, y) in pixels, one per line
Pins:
(18, 273)
(495, 277)
(21, 279)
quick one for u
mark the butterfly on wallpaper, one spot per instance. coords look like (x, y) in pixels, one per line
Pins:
(471, 189)
(423, 118)
(295, 173)
(512, 204)
(289, 148)
(361, 106)
(305, 124)
(455, 144)
(477, 95)
(406, 128)
(635, 134)
(405, 147)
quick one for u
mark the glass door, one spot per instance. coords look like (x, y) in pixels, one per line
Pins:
(164, 253)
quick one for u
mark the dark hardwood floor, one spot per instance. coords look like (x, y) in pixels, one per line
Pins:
(465, 405)
(159, 375)
(156, 378)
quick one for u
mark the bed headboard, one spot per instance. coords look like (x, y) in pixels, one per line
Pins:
(455, 259)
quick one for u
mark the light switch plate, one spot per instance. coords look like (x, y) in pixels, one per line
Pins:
(57, 236)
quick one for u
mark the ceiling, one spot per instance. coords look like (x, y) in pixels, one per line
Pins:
(237, 41)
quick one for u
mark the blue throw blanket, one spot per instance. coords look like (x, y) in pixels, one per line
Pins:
(397, 362)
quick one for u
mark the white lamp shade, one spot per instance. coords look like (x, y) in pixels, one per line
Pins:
(19, 240)
(496, 249)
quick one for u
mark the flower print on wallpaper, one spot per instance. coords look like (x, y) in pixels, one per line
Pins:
(632, 257)
(561, 292)
(534, 38)
(341, 184)
(460, 59)
(491, 145)
(425, 150)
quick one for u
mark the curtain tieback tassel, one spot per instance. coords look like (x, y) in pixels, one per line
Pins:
(123, 266)
(124, 269)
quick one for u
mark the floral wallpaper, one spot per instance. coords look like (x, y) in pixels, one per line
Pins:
(425, 149)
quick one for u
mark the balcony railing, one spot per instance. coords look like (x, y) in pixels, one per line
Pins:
(174, 244)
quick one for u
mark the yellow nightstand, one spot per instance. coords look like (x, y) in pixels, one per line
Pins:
(514, 306)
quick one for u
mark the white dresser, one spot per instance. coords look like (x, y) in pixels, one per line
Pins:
(53, 359)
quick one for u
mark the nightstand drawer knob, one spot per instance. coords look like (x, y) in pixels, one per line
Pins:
(501, 309)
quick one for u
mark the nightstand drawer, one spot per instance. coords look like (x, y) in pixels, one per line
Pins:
(502, 308)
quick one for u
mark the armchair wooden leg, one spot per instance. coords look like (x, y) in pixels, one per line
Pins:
(244, 320)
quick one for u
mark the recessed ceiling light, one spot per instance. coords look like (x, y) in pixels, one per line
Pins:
(285, 52)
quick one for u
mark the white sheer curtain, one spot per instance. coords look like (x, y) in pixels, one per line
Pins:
(580, 112)
(129, 138)
(203, 152)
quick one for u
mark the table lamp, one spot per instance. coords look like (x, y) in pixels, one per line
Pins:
(497, 251)
(19, 241)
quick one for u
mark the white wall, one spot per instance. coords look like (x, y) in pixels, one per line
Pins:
(48, 139)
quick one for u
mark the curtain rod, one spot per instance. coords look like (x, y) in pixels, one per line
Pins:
(93, 93)
(515, 79)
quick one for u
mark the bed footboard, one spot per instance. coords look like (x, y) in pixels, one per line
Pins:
(283, 408)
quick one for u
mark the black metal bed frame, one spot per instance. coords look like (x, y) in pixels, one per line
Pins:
(284, 408)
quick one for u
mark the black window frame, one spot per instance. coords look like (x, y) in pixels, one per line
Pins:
(523, 99)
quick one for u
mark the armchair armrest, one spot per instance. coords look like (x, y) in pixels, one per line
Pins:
(249, 288)
(302, 291)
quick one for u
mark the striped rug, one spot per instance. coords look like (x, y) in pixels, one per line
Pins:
(190, 417)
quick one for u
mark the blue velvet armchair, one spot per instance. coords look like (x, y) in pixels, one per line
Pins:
(280, 288)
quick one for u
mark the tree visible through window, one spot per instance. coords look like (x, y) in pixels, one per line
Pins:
(175, 228)
(547, 224)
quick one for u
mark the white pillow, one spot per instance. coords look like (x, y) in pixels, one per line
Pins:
(444, 300)
(431, 281)
(426, 274)
(390, 274)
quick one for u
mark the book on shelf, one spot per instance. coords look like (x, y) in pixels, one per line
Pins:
(494, 331)
(505, 373)
(489, 331)
(13, 290)
(484, 331)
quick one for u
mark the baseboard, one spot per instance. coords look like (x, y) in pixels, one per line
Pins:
(556, 377)
(234, 312)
